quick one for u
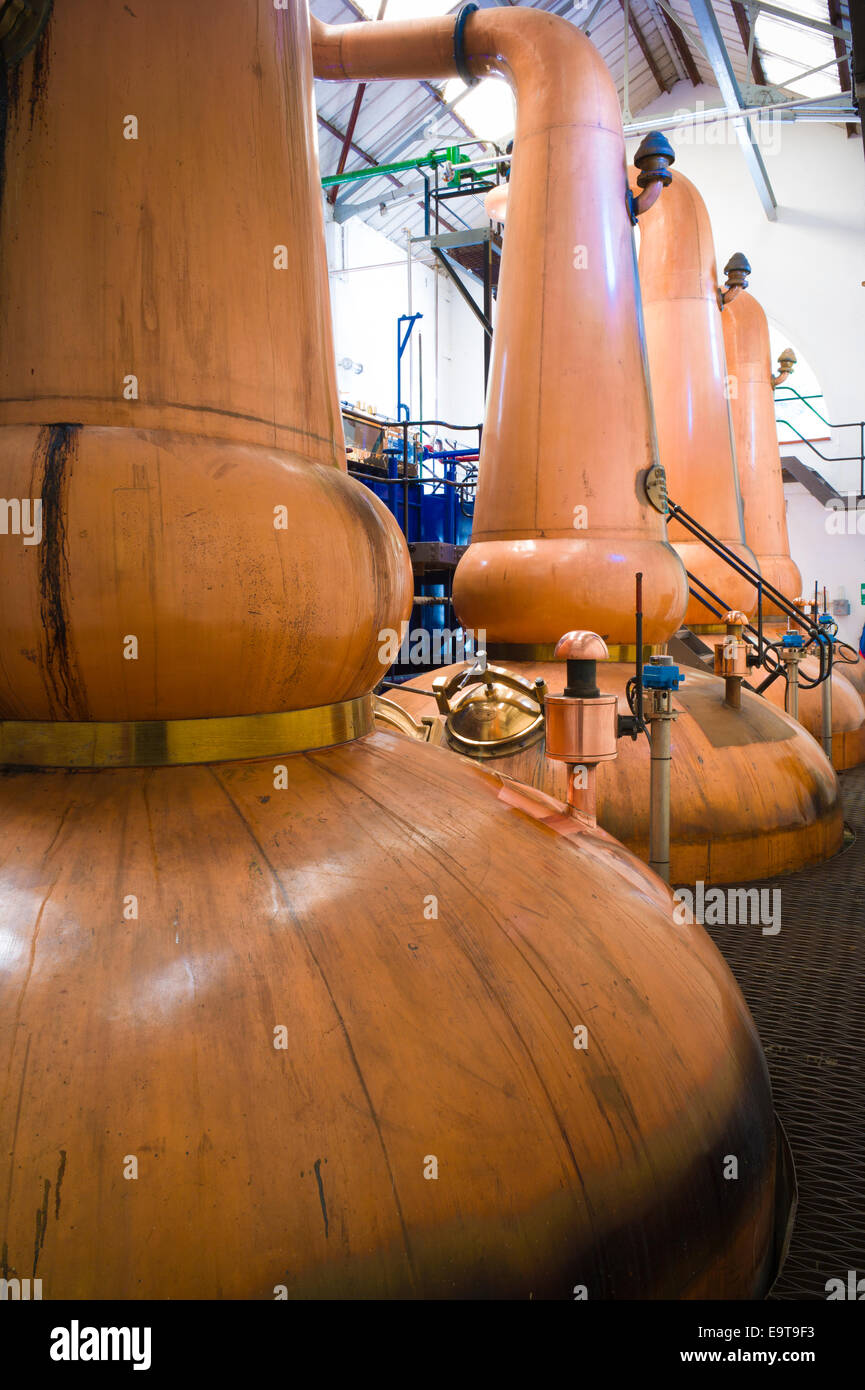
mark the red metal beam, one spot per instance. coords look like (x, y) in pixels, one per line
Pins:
(364, 19)
(685, 53)
(841, 55)
(346, 144)
(368, 158)
(340, 135)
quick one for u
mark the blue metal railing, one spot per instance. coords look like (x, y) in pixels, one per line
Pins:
(428, 505)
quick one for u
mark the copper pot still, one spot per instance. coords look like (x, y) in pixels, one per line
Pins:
(682, 304)
(563, 519)
(291, 1008)
(752, 409)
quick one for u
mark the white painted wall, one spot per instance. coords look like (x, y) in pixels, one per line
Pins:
(830, 548)
(369, 291)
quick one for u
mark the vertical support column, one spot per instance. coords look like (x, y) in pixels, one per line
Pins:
(661, 719)
(731, 658)
(826, 709)
(791, 699)
(661, 676)
(792, 651)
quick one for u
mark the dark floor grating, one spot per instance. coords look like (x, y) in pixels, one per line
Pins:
(806, 990)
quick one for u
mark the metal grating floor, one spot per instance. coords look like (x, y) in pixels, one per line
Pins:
(806, 990)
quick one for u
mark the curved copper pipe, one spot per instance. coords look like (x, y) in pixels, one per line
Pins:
(568, 420)
(787, 364)
(648, 197)
(727, 296)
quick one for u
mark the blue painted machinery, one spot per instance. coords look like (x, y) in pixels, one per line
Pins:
(429, 488)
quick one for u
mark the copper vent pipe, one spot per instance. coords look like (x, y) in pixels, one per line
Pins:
(559, 439)
(786, 365)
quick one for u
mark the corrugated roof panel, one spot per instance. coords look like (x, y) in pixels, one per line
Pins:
(391, 112)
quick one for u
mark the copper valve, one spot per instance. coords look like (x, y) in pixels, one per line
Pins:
(487, 710)
(737, 271)
(786, 361)
(731, 658)
(581, 723)
(653, 159)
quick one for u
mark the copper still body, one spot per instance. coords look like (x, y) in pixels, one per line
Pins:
(752, 409)
(752, 412)
(563, 520)
(684, 338)
(291, 1008)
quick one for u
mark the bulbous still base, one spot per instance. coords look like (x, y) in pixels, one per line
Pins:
(848, 704)
(752, 795)
(534, 589)
(321, 1042)
(854, 672)
(183, 576)
(848, 712)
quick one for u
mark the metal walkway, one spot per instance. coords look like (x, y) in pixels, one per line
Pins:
(806, 989)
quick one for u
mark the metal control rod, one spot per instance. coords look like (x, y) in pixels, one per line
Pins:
(661, 676)
(826, 734)
(659, 789)
(791, 657)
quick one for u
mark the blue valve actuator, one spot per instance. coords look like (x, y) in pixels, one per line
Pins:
(662, 673)
(792, 639)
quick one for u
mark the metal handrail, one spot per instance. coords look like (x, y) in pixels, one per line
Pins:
(845, 425)
(399, 482)
(742, 568)
(755, 637)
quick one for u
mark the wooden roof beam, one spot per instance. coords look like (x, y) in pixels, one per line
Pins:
(646, 51)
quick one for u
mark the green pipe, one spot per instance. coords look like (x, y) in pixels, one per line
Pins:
(375, 171)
